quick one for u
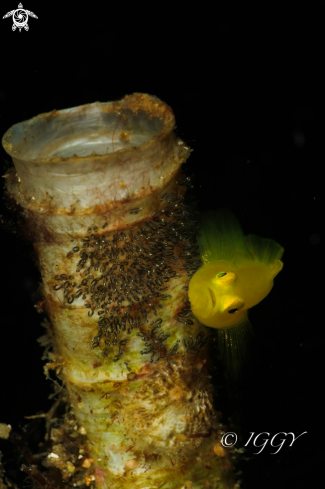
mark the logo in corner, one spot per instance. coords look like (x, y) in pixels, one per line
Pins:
(20, 18)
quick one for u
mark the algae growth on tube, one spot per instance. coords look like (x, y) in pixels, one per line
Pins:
(100, 190)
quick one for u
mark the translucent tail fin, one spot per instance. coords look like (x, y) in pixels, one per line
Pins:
(234, 345)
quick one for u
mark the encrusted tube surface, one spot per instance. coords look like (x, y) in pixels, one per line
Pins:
(101, 192)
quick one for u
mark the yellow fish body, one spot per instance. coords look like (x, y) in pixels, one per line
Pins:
(237, 273)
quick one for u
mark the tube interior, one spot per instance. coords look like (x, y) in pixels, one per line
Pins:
(83, 131)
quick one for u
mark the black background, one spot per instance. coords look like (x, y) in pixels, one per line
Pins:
(247, 93)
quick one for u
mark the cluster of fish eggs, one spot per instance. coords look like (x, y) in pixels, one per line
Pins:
(127, 274)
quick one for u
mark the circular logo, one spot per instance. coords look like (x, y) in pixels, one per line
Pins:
(20, 18)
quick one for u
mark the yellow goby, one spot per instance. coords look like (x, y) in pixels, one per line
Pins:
(237, 273)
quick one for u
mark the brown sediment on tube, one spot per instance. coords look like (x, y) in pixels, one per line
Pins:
(102, 195)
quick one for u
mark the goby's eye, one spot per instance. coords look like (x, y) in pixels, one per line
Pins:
(225, 278)
(233, 311)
